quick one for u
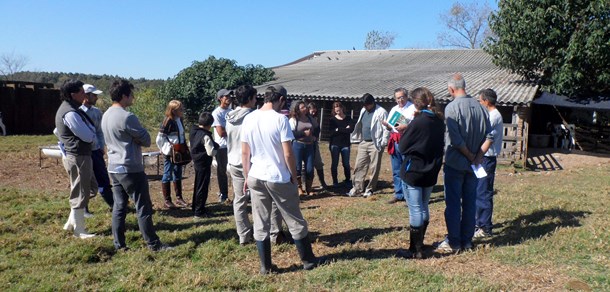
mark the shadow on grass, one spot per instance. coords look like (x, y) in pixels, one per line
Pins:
(535, 225)
(354, 236)
(201, 237)
(215, 210)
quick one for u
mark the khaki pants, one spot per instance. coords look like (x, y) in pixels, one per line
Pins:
(286, 197)
(368, 158)
(82, 180)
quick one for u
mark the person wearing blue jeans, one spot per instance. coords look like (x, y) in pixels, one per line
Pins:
(400, 116)
(470, 135)
(340, 127)
(171, 132)
(484, 201)
(303, 128)
(422, 145)
(485, 188)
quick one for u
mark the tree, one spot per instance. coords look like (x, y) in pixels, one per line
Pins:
(379, 40)
(196, 86)
(11, 63)
(467, 24)
(563, 44)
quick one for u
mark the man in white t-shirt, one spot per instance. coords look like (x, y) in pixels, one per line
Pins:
(485, 186)
(406, 109)
(220, 136)
(270, 170)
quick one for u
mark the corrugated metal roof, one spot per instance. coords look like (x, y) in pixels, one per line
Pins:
(347, 75)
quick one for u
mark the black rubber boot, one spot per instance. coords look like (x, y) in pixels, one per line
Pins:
(309, 260)
(415, 242)
(423, 232)
(264, 254)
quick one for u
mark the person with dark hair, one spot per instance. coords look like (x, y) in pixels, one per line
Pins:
(270, 171)
(98, 145)
(404, 109)
(76, 133)
(125, 137)
(422, 145)
(485, 185)
(203, 149)
(246, 96)
(304, 130)
(340, 128)
(220, 136)
(469, 137)
(372, 138)
(317, 158)
(171, 132)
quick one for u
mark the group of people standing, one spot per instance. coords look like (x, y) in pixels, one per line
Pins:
(264, 152)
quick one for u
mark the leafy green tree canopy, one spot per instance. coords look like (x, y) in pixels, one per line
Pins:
(563, 43)
(196, 86)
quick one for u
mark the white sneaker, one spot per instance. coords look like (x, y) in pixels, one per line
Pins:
(367, 194)
(479, 233)
(446, 248)
(352, 193)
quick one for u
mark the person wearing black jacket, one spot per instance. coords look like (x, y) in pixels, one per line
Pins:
(341, 126)
(203, 149)
(423, 145)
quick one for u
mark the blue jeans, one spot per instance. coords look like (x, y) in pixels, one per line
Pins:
(460, 205)
(304, 153)
(334, 154)
(171, 172)
(417, 201)
(396, 160)
(485, 192)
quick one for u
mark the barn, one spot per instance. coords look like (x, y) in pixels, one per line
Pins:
(345, 75)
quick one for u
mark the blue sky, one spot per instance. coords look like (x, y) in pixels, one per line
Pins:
(157, 39)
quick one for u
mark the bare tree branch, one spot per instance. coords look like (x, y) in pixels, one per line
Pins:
(11, 63)
(379, 40)
(467, 24)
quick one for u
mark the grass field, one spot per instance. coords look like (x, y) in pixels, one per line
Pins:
(551, 233)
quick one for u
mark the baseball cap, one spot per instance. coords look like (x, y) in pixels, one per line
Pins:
(281, 90)
(223, 92)
(91, 89)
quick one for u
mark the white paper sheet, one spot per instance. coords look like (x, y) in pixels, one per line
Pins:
(479, 171)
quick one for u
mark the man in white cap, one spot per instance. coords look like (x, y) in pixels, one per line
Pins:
(220, 136)
(98, 145)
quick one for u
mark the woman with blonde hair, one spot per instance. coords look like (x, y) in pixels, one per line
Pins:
(171, 132)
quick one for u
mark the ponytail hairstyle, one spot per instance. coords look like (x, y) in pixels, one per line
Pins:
(423, 99)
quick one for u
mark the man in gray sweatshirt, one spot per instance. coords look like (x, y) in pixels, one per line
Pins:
(125, 137)
(246, 97)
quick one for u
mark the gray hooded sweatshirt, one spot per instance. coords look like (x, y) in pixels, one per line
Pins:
(234, 121)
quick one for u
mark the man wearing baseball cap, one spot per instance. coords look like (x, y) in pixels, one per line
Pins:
(220, 136)
(97, 148)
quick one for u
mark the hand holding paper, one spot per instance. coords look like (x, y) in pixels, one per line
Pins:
(479, 171)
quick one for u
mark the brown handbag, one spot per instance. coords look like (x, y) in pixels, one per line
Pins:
(179, 154)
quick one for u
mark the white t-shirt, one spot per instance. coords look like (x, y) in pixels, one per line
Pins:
(408, 112)
(497, 126)
(219, 115)
(264, 131)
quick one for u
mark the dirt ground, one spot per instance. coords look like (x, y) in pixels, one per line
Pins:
(22, 170)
